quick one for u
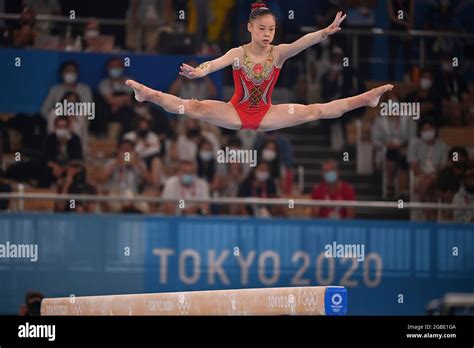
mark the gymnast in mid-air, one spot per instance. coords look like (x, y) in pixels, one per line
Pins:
(256, 67)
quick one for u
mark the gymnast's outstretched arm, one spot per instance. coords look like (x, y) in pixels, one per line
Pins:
(209, 67)
(286, 51)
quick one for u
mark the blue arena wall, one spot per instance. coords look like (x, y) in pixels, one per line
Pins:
(89, 255)
(25, 87)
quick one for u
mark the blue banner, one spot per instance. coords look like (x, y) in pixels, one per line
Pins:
(392, 267)
(31, 73)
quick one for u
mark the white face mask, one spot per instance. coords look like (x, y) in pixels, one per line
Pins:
(428, 135)
(268, 155)
(262, 176)
(91, 33)
(70, 77)
(205, 155)
(62, 133)
(425, 83)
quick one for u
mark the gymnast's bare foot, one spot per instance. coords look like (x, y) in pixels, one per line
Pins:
(373, 96)
(142, 92)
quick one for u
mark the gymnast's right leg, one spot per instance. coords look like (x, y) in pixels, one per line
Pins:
(212, 111)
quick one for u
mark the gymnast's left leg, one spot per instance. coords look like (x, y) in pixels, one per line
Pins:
(288, 115)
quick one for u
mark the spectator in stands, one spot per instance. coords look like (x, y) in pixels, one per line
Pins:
(340, 82)
(453, 90)
(145, 20)
(44, 7)
(449, 178)
(191, 134)
(59, 149)
(459, 160)
(465, 197)
(79, 124)
(259, 184)
(269, 154)
(390, 136)
(94, 41)
(148, 147)
(69, 73)
(25, 34)
(333, 189)
(401, 14)
(74, 181)
(186, 143)
(117, 95)
(236, 173)
(426, 156)
(208, 168)
(127, 172)
(441, 16)
(32, 305)
(427, 96)
(186, 184)
(324, 17)
(285, 154)
(199, 89)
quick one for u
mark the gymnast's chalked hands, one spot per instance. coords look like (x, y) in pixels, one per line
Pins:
(189, 72)
(334, 27)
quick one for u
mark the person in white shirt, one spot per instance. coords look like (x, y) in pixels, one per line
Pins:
(186, 184)
(148, 147)
(426, 156)
(69, 73)
(465, 196)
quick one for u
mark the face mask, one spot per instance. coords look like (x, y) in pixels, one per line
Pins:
(262, 176)
(205, 155)
(187, 179)
(425, 83)
(115, 73)
(268, 155)
(70, 78)
(91, 33)
(63, 133)
(428, 135)
(336, 67)
(330, 177)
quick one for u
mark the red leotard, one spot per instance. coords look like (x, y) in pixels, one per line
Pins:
(254, 85)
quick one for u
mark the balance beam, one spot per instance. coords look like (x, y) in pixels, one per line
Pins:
(317, 300)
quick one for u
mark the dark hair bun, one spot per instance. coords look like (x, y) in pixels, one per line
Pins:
(257, 5)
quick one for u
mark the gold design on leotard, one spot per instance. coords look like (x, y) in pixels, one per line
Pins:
(257, 73)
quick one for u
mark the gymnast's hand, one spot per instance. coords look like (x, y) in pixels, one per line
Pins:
(334, 27)
(189, 72)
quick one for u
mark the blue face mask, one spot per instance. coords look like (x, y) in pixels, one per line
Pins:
(187, 179)
(115, 73)
(330, 177)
